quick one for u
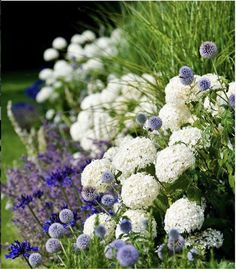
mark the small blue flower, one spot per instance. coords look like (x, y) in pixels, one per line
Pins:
(17, 249)
(83, 241)
(111, 249)
(125, 226)
(232, 100)
(174, 234)
(107, 177)
(60, 177)
(66, 216)
(159, 251)
(141, 118)
(176, 246)
(204, 83)
(23, 201)
(100, 231)
(53, 245)
(108, 200)
(127, 255)
(208, 49)
(186, 75)
(192, 254)
(35, 259)
(56, 230)
(89, 194)
(154, 123)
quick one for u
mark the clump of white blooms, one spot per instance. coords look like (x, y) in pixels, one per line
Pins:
(139, 191)
(190, 136)
(174, 116)
(91, 176)
(140, 222)
(173, 161)
(103, 219)
(210, 238)
(135, 154)
(110, 153)
(184, 215)
(44, 94)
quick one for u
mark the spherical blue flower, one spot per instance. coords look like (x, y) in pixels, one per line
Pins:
(204, 83)
(100, 231)
(192, 254)
(53, 245)
(66, 216)
(107, 177)
(111, 249)
(159, 251)
(20, 248)
(83, 241)
(208, 49)
(232, 100)
(125, 226)
(154, 123)
(127, 255)
(174, 234)
(186, 75)
(176, 246)
(141, 118)
(108, 200)
(35, 259)
(89, 194)
(56, 230)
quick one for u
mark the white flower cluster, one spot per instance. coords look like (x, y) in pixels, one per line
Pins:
(101, 218)
(139, 191)
(184, 215)
(135, 154)
(140, 222)
(91, 176)
(173, 161)
(190, 136)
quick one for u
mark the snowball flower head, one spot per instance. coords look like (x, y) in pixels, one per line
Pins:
(44, 94)
(173, 161)
(59, 43)
(204, 83)
(136, 153)
(35, 259)
(139, 191)
(50, 54)
(66, 216)
(139, 220)
(103, 219)
(83, 241)
(46, 73)
(208, 49)
(92, 174)
(190, 136)
(127, 255)
(88, 36)
(174, 116)
(56, 230)
(53, 245)
(184, 215)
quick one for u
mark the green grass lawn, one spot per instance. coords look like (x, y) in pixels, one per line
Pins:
(13, 88)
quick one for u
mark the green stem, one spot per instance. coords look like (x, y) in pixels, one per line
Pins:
(28, 262)
(35, 217)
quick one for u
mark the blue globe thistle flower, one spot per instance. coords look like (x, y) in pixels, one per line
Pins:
(204, 83)
(186, 75)
(127, 255)
(35, 259)
(176, 246)
(108, 200)
(141, 118)
(89, 194)
(23, 201)
(174, 234)
(53, 245)
(100, 231)
(17, 249)
(111, 249)
(66, 216)
(154, 123)
(192, 254)
(56, 230)
(208, 49)
(83, 241)
(159, 251)
(125, 226)
(107, 177)
(232, 100)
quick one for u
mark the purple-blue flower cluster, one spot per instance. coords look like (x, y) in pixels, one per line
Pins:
(18, 248)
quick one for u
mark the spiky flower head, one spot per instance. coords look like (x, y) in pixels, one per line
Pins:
(204, 83)
(35, 259)
(111, 249)
(176, 246)
(186, 75)
(53, 245)
(173, 234)
(100, 231)
(154, 123)
(107, 177)
(208, 49)
(141, 118)
(127, 255)
(89, 194)
(125, 226)
(66, 216)
(83, 241)
(108, 200)
(56, 230)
